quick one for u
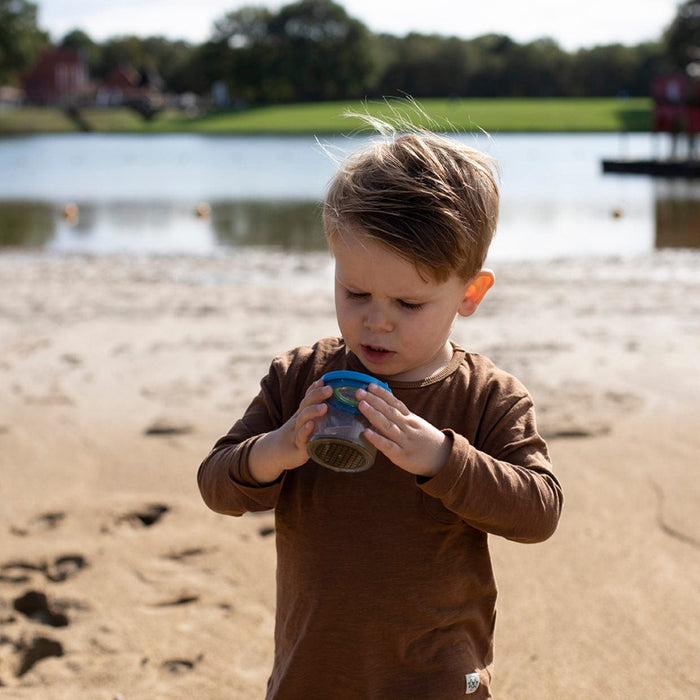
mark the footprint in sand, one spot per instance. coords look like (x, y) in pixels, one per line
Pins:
(35, 606)
(25, 653)
(168, 426)
(188, 554)
(57, 570)
(19, 571)
(65, 567)
(182, 600)
(181, 665)
(32, 651)
(38, 524)
(146, 516)
(579, 411)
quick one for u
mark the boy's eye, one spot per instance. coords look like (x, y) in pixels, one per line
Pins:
(363, 296)
(409, 305)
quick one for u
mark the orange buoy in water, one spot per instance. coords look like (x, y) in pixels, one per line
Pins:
(203, 210)
(71, 212)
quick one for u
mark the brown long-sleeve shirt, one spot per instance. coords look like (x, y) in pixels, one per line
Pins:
(384, 582)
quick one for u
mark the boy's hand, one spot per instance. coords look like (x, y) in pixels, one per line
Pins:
(285, 448)
(408, 440)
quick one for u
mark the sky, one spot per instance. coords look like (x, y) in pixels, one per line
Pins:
(572, 24)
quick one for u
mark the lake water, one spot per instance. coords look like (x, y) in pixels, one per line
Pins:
(141, 194)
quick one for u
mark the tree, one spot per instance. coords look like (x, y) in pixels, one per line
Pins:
(241, 54)
(243, 28)
(604, 71)
(538, 69)
(21, 40)
(309, 50)
(169, 60)
(78, 39)
(212, 62)
(682, 38)
(425, 65)
(495, 55)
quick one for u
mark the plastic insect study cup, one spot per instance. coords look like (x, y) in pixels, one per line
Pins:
(338, 442)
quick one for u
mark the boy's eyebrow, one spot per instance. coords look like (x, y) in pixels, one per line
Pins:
(408, 298)
(342, 283)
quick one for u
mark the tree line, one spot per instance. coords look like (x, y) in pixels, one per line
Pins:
(312, 50)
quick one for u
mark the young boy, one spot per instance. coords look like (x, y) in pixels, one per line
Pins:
(384, 582)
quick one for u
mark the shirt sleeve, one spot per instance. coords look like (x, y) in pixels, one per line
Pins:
(224, 479)
(504, 484)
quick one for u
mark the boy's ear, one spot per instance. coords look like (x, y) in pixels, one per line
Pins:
(475, 291)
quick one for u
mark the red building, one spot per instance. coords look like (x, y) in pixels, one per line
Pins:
(126, 86)
(58, 76)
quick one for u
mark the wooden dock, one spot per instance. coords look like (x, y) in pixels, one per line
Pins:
(656, 168)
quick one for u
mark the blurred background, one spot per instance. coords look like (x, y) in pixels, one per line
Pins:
(158, 129)
(162, 168)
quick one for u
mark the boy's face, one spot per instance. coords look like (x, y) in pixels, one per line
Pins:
(394, 320)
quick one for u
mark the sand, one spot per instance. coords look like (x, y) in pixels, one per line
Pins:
(118, 374)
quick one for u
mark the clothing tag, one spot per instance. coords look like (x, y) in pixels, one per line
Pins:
(472, 683)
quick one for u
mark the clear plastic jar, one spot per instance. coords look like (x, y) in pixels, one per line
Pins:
(338, 441)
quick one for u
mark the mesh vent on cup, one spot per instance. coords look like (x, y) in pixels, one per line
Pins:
(340, 455)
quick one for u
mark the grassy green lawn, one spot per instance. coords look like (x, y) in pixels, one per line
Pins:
(492, 115)
(33, 120)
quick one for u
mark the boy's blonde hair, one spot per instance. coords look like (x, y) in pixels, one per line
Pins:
(428, 198)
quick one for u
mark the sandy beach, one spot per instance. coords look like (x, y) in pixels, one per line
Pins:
(117, 374)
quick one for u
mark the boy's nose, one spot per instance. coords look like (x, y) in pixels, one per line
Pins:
(377, 320)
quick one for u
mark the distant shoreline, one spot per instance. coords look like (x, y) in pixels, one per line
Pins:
(493, 115)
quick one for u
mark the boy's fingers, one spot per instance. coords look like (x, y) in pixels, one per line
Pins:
(304, 434)
(381, 422)
(323, 390)
(317, 392)
(373, 388)
(382, 443)
(386, 396)
(313, 410)
(389, 398)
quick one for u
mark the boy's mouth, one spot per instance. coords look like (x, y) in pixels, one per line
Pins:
(376, 353)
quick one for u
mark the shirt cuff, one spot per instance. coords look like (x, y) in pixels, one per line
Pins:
(444, 481)
(240, 471)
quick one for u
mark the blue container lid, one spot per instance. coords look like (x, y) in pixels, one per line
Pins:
(345, 384)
